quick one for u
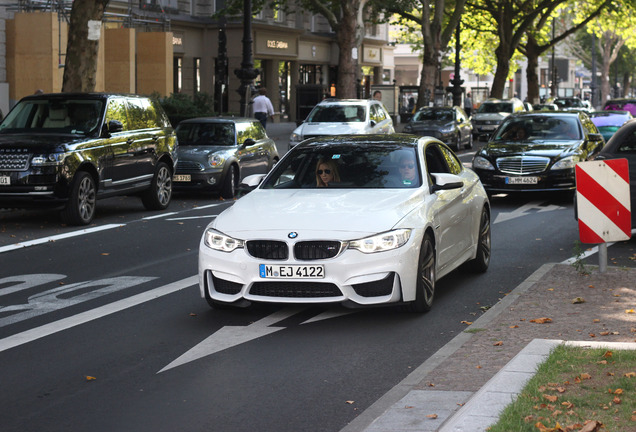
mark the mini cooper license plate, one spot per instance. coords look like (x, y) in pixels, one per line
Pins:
(291, 271)
(5, 180)
(522, 180)
(181, 178)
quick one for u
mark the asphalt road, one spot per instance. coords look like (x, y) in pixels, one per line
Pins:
(103, 329)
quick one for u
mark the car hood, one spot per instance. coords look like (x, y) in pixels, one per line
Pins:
(40, 142)
(431, 124)
(196, 152)
(490, 116)
(345, 128)
(543, 148)
(312, 213)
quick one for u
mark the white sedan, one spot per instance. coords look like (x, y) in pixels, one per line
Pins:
(358, 220)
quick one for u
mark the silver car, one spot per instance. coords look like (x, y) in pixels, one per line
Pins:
(216, 153)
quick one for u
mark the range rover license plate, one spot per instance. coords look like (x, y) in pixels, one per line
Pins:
(181, 177)
(5, 180)
(291, 271)
(522, 180)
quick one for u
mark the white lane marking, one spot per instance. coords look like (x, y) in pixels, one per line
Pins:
(206, 206)
(93, 314)
(523, 210)
(328, 315)
(159, 216)
(59, 237)
(192, 217)
(230, 336)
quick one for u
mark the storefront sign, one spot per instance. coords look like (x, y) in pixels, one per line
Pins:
(277, 44)
(372, 55)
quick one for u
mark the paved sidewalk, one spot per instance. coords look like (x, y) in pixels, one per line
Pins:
(465, 385)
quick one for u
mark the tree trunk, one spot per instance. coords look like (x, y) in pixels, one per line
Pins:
(80, 66)
(347, 65)
(501, 74)
(532, 55)
(627, 84)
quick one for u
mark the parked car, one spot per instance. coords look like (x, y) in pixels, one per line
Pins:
(545, 107)
(68, 150)
(537, 152)
(571, 104)
(622, 145)
(448, 124)
(491, 113)
(608, 122)
(621, 104)
(216, 153)
(344, 117)
(398, 213)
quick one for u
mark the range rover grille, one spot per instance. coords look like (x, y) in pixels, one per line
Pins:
(14, 160)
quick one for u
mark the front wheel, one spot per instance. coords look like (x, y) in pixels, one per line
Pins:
(470, 142)
(80, 208)
(158, 196)
(425, 285)
(481, 262)
(229, 183)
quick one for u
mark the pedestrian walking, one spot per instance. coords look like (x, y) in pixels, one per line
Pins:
(263, 107)
(468, 104)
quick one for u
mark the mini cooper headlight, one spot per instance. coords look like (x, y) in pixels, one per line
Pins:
(482, 163)
(566, 163)
(381, 242)
(216, 160)
(220, 242)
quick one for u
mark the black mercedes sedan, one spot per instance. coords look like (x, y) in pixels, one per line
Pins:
(537, 151)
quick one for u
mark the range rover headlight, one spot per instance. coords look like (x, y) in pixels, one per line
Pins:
(48, 159)
(221, 242)
(381, 242)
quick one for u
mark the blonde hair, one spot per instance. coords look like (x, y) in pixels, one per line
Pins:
(333, 166)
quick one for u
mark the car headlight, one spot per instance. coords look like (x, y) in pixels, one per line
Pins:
(216, 160)
(295, 138)
(482, 163)
(566, 163)
(446, 130)
(381, 242)
(221, 242)
(50, 159)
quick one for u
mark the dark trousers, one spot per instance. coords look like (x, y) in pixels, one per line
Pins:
(262, 117)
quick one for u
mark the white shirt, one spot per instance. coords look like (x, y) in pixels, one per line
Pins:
(263, 104)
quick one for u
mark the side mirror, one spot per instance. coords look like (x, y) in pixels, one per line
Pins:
(249, 183)
(248, 142)
(372, 123)
(444, 181)
(115, 126)
(595, 137)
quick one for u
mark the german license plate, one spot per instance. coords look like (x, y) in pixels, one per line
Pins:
(5, 180)
(522, 180)
(291, 271)
(181, 177)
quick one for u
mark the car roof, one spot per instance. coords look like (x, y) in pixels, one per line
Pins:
(218, 120)
(347, 101)
(80, 95)
(403, 140)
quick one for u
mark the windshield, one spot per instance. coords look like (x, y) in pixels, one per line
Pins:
(206, 134)
(347, 166)
(569, 103)
(433, 115)
(495, 107)
(337, 113)
(538, 128)
(81, 116)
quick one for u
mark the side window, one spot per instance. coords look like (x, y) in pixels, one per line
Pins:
(257, 131)
(117, 111)
(141, 114)
(381, 112)
(242, 132)
(629, 144)
(454, 165)
(373, 113)
(435, 161)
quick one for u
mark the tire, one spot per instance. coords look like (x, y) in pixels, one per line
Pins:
(458, 142)
(158, 196)
(229, 184)
(470, 142)
(481, 262)
(80, 208)
(425, 285)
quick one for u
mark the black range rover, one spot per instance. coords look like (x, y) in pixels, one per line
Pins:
(68, 150)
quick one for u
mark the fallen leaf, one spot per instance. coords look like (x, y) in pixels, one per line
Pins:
(498, 343)
(543, 320)
(514, 326)
(630, 311)
(350, 402)
(105, 253)
(90, 378)
(408, 407)
(592, 426)
(586, 376)
(432, 416)
(596, 320)
(605, 333)
(630, 374)
(550, 398)
(193, 314)
(592, 335)
(618, 391)
(578, 300)
(608, 354)
(467, 322)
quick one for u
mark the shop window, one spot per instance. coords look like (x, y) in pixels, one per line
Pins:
(177, 74)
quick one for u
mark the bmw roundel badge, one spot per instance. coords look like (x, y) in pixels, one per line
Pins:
(292, 235)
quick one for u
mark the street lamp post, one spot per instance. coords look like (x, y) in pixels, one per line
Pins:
(457, 81)
(593, 83)
(246, 73)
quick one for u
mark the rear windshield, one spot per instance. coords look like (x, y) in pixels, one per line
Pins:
(337, 113)
(495, 107)
(205, 134)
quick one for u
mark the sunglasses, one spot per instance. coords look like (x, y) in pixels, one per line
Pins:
(409, 166)
(319, 172)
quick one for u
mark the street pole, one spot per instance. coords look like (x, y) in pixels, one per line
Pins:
(457, 81)
(246, 73)
(593, 83)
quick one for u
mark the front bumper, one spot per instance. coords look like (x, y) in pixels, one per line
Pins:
(351, 278)
(496, 181)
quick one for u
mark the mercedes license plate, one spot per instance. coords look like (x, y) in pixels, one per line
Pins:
(522, 180)
(181, 177)
(5, 180)
(291, 271)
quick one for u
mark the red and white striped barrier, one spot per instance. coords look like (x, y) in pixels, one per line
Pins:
(602, 199)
